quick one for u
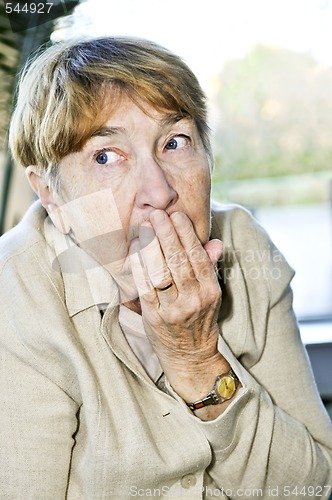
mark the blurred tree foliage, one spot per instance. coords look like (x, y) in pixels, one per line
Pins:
(275, 116)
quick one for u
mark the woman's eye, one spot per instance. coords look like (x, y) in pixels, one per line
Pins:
(179, 141)
(107, 157)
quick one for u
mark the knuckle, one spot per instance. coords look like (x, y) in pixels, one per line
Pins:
(172, 318)
(195, 253)
(214, 295)
(159, 276)
(178, 259)
(204, 272)
(144, 286)
(149, 298)
(195, 303)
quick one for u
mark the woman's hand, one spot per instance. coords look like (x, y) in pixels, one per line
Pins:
(181, 321)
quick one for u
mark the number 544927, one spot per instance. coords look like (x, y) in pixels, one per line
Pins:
(31, 8)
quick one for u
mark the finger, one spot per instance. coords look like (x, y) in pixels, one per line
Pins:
(214, 249)
(142, 281)
(157, 270)
(174, 254)
(197, 255)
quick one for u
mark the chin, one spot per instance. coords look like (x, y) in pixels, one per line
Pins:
(203, 234)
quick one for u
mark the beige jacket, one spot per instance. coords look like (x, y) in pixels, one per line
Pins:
(80, 419)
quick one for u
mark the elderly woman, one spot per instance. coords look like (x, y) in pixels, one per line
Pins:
(148, 342)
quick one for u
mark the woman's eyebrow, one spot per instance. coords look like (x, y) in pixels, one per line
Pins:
(164, 122)
(107, 131)
(169, 120)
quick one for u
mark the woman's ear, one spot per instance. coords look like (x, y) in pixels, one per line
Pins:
(49, 199)
(40, 186)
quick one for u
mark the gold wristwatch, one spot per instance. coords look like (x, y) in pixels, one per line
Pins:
(224, 388)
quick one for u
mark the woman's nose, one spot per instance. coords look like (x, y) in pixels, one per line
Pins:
(154, 189)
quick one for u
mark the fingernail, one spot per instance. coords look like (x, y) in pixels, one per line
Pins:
(158, 216)
(177, 217)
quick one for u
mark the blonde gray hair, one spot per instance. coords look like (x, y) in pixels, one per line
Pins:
(65, 94)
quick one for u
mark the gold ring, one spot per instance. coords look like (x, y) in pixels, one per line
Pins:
(165, 287)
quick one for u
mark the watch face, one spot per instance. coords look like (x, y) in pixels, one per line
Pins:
(226, 386)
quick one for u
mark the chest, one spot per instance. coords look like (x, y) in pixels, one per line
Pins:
(131, 435)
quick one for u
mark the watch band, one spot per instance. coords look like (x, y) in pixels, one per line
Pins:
(213, 398)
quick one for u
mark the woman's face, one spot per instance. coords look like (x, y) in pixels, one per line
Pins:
(136, 163)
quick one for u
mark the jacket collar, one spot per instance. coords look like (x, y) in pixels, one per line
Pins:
(86, 282)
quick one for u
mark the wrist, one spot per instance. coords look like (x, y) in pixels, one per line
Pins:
(195, 380)
(224, 389)
(187, 362)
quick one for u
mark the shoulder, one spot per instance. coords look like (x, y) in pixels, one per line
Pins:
(25, 265)
(26, 234)
(248, 247)
(255, 278)
(34, 325)
(237, 226)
